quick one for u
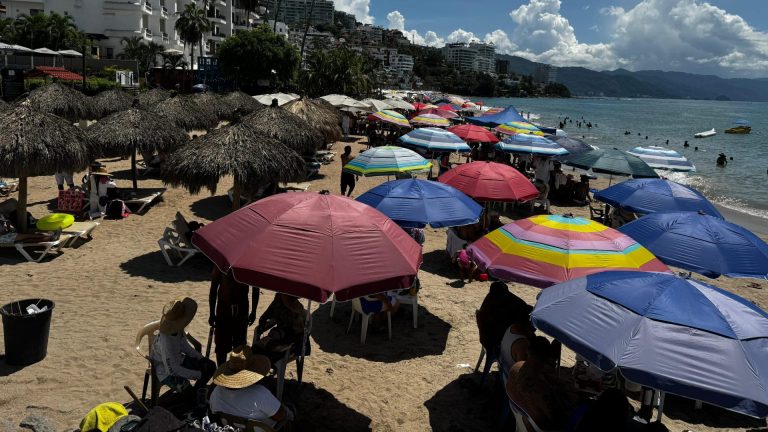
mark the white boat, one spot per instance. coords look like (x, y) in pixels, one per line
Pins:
(705, 134)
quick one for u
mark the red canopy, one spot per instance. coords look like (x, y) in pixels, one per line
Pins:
(474, 133)
(418, 106)
(440, 112)
(311, 245)
(446, 106)
(490, 181)
(56, 72)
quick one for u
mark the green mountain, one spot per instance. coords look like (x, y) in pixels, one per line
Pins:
(649, 83)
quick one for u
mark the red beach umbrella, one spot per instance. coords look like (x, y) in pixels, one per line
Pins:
(474, 133)
(311, 245)
(440, 112)
(447, 107)
(418, 106)
(490, 181)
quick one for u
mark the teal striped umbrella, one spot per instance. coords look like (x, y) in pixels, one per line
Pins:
(387, 161)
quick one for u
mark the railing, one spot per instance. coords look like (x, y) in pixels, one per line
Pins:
(164, 10)
(148, 6)
(147, 32)
(165, 37)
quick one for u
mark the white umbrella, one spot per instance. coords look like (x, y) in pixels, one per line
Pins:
(20, 48)
(376, 105)
(46, 51)
(340, 101)
(71, 53)
(400, 104)
(282, 98)
(172, 51)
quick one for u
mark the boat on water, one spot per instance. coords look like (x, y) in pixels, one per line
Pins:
(705, 134)
(740, 127)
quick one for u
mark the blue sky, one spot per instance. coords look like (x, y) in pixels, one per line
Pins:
(722, 37)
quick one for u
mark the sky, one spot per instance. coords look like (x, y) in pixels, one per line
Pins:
(728, 38)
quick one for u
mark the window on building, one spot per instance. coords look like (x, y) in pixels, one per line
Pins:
(110, 53)
(33, 12)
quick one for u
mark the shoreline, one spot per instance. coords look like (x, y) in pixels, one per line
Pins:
(756, 224)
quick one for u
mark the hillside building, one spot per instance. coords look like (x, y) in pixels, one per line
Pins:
(474, 56)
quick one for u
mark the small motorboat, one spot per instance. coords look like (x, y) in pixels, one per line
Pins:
(740, 127)
(705, 134)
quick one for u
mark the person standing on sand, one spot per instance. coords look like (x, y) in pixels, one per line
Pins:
(228, 302)
(347, 179)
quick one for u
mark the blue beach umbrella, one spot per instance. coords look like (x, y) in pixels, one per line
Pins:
(656, 195)
(387, 161)
(675, 335)
(701, 243)
(524, 143)
(509, 114)
(663, 158)
(434, 139)
(414, 203)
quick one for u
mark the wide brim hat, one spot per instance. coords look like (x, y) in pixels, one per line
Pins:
(242, 369)
(177, 314)
(101, 171)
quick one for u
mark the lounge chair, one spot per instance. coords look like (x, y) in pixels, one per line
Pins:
(79, 231)
(294, 187)
(141, 198)
(176, 238)
(325, 157)
(8, 187)
(150, 331)
(48, 247)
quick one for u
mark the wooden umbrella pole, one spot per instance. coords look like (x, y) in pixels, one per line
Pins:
(133, 168)
(236, 195)
(21, 208)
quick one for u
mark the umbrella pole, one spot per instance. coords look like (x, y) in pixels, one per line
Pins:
(134, 176)
(21, 208)
(307, 329)
(661, 406)
(236, 195)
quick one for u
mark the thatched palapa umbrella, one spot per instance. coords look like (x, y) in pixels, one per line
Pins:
(185, 113)
(324, 117)
(238, 100)
(4, 105)
(111, 101)
(213, 103)
(125, 132)
(34, 143)
(62, 101)
(237, 150)
(149, 99)
(286, 127)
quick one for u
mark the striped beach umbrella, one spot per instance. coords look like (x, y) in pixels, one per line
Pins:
(434, 139)
(663, 158)
(524, 143)
(432, 120)
(548, 249)
(391, 117)
(387, 161)
(440, 112)
(512, 128)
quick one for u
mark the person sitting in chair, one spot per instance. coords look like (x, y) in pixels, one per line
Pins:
(238, 392)
(176, 360)
(285, 319)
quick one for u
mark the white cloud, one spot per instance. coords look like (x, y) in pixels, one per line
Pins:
(396, 21)
(585, 7)
(595, 28)
(501, 40)
(361, 9)
(612, 11)
(461, 35)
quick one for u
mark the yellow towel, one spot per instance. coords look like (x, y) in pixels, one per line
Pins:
(103, 417)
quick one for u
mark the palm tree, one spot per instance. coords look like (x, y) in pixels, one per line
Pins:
(133, 48)
(60, 28)
(173, 61)
(151, 51)
(7, 30)
(191, 25)
(32, 30)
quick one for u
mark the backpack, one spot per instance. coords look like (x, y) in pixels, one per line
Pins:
(116, 209)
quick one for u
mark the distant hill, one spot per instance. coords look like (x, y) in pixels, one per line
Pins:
(650, 83)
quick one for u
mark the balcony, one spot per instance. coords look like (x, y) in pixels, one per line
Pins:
(221, 2)
(146, 33)
(217, 17)
(146, 7)
(218, 36)
(164, 11)
(165, 37)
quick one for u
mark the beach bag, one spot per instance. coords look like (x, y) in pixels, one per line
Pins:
(116, 209)
(71, 200)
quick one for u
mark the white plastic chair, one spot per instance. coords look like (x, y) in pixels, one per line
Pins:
(358, 308)
(412, 300)
(175, 239)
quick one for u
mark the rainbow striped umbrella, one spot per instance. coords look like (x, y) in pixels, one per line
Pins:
(387, 161)
(431, 120)
(524, 143)
(548, 249)
(389, 116)
(434, 139)
(512, 128)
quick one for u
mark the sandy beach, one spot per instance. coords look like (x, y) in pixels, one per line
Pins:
(109, 287)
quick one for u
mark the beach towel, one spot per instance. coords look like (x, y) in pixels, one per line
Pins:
(102, 417)
(71, 200)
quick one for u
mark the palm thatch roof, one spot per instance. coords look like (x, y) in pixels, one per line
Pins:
(185, 113)
(149, 99)
(35, 143)
(111, 101)
(4, 105)
(120, 133)
(323, 116)
(238, 100)
(236, 150)
(62, 101)
(286, 127)
(213, 103)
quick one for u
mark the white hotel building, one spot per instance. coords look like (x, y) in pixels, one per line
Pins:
(152, 20)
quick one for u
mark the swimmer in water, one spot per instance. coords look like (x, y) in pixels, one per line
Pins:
(722, 160)
(686, 144)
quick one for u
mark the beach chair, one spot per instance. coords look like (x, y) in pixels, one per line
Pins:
(27, 249)
(358, 308)
(413, 300)
(453, 243)
(8, 187)
(176, 238)
(596, 213)
(243, 425)
(524, 422)
(141, 198)
(149, 331)
(79, 231)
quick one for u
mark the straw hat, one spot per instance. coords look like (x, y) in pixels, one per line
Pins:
(101, 171)
(177, 314)
(242, 369)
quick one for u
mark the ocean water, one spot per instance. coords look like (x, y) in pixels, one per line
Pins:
(742, 185)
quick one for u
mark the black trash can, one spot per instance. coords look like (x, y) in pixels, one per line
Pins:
(26, 334)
